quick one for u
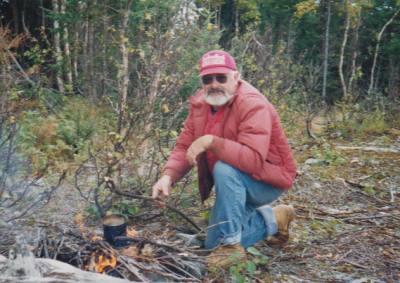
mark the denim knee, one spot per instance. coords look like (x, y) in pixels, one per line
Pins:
(226, 178)
(222, 170)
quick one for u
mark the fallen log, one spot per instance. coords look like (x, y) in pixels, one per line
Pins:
(369, 148)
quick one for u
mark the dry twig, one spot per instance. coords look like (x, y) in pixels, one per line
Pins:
(127, 194)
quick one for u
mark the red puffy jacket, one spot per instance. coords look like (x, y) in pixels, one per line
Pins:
(253, 141)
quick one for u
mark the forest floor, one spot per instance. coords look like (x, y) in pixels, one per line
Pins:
(347, 226)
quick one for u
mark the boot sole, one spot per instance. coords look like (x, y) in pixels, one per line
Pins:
(292, 215)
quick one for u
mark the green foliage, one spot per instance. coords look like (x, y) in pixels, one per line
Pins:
(77, 123)
(330, 227)
(374, 123)
(329, 155)
(206, 214)
(37, 54)
(49, 138)
(361, 122)
(92, 209)
(370, 190)
(125, 207)
(243, 271)
(39, 138)
(3, 223)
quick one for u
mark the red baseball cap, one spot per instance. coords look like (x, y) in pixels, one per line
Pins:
(216, 62)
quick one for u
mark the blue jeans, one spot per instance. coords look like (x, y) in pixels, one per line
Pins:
(242, 201)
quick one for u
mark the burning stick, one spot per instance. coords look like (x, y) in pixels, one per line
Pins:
(127, 194)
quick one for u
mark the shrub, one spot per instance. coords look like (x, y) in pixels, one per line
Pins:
(77, 123)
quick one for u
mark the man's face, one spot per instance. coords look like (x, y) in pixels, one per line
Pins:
(218, 92)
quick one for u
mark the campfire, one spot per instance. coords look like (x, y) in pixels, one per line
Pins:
(102, 261)
(126, 255)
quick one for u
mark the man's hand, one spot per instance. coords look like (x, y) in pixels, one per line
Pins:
(198, 146)
(161, 189)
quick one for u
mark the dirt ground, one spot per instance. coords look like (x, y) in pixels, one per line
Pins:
(347, 226)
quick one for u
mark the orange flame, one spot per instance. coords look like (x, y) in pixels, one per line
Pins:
(96, 238)
(102, 261)
(130, 232)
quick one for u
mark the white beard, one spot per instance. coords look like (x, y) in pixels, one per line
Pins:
(219, 100)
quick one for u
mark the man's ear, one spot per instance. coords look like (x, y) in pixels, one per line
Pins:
(236, 76)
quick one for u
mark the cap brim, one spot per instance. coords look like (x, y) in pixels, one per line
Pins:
(216, 70)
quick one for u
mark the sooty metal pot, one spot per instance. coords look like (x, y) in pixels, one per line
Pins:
(114, 225)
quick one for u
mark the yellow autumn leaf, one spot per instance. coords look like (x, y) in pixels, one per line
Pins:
(206, 214)
(79, 218)
(174, 134)
(165, 107)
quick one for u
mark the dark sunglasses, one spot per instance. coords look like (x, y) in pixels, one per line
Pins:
(207, 80)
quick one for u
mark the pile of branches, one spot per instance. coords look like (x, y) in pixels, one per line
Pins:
(142, 259)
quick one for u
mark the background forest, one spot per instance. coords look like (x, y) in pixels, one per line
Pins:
(99, 88)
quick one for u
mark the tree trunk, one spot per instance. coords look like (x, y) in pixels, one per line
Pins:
(393, 88)
(280, 27)
(24, 27)
(75, 54)
(237, 18)
(326, 51)
(216, 13)
(92, 89)
(219, 14)
(105, 22)
(15, 15)
(289, 45)
(91, 59)
(125, 67)
(346, 30)
(353, 60)
(58, 48)
(149, 115)
(85, 49)
(43, 15)
(371, 85)
(66, 46)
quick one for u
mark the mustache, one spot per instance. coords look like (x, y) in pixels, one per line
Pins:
(211, 90)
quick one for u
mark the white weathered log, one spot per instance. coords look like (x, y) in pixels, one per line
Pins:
(21, 260)
(56, 271)
(369, 148)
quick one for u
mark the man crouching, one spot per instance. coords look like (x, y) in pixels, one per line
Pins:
(234, 136)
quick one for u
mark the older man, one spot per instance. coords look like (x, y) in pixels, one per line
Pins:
(234, 136)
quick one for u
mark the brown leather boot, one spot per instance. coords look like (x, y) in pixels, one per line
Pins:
(284, 215)
(220, 256)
